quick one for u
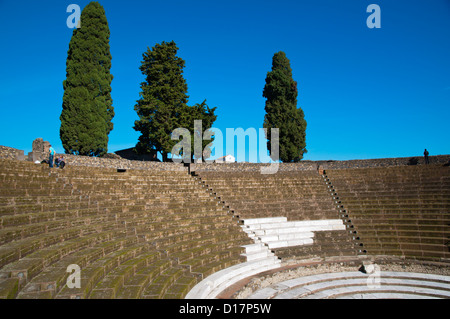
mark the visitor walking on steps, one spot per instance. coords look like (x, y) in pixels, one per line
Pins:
(425, 154)
(51, 156)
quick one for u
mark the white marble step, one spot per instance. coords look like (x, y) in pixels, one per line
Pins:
(277, 232)
(326, 224)
(259, 255)
(289, 243)
(296, 229)
(252, 248)
(211, 286)
(356, 285)
(257, 251)
(252, 221)
(286, 236)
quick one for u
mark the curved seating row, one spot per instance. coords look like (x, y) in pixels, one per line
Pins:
(357, 285)
(134, 234)
(402, 211)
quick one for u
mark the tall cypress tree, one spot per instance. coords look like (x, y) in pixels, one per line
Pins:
(281, 93)
(163, 99)
(86, 117)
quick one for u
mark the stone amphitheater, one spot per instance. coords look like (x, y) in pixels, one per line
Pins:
(119, 229)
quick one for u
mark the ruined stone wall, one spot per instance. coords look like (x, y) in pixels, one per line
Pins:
(115, 163)
(120, 163)
(40, 150)
(11, 153)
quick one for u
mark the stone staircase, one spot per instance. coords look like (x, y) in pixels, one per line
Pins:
(278, 232)
(304, 200)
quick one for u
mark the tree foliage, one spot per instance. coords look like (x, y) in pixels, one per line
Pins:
(87, 111)
(281, 109)
(207, 115)
(162, 106)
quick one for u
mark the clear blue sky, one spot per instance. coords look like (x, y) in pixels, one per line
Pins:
(366, 93)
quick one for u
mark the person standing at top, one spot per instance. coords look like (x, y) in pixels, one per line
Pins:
(425, 154)
(52, 153)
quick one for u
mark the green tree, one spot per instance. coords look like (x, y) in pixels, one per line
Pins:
(162, 106)
(87, 111)
(163, 99)
(280, 92)
(207, 116)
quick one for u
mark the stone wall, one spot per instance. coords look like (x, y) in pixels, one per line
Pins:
(315, 165)
(116, 163)
(11, 153)
(251, 167)
(40, 150)
(120, 163)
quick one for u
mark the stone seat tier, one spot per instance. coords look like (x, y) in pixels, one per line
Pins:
(281, 206)
(414, 204)
(49, 282)
(38, 203)
(51, 217)
(130, 221)
(31, 265)
(419, 218)
(295, 213)
(199, 267)
(326, 244)
(27, 267)
(28, 214)
(432, 196)
(70, 174)
(214, 284)
(257, 183)
(358, 285)
(400, 211)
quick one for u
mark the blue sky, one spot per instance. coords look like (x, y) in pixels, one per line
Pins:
(366, 93)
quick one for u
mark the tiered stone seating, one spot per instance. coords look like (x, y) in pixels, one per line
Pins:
(259, 259)
(402, 211)
(136, 234)
(356, 285)
(295, 195)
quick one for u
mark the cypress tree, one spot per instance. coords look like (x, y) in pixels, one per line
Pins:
(281, 109)
(163, 99)
(86, 117)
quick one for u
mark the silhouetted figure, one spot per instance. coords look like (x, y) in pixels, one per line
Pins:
(425, 154)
